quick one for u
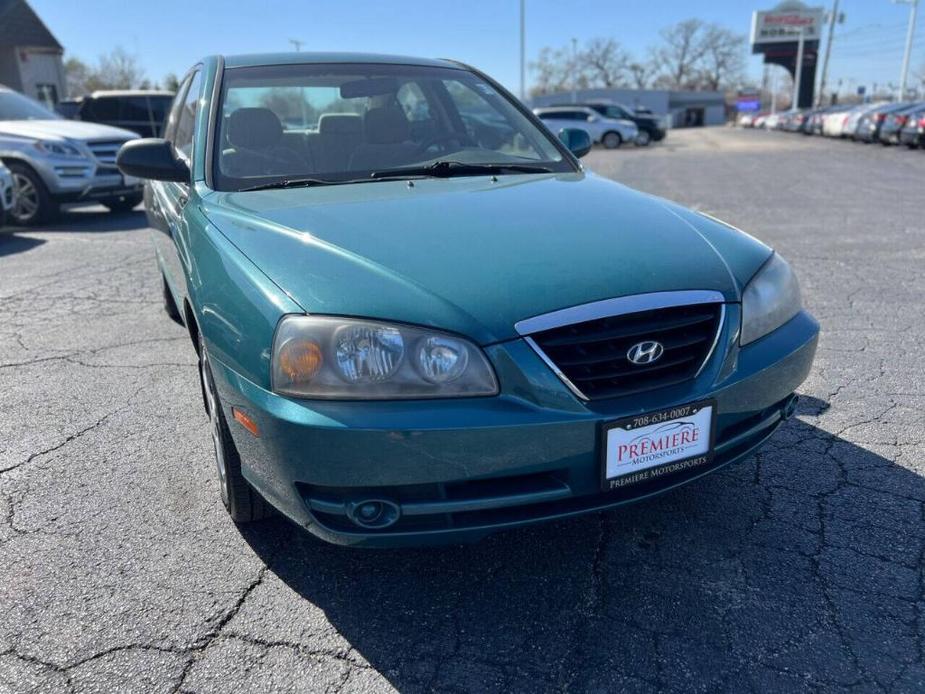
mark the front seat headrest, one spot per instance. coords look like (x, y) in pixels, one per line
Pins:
(340, 124)
(386, 125)
(254, 128)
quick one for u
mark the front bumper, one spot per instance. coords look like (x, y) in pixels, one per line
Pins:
(460, 469)
(83, 180)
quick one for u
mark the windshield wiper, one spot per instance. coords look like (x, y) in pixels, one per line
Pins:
(302, 183)
(446, 169)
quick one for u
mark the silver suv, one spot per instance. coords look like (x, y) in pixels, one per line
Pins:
(55, 161)
(610, 132)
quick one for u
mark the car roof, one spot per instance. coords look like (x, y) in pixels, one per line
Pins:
(129, 92)
(258, 59)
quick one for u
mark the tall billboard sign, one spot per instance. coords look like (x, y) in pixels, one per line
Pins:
(777, 26)
(776, 34)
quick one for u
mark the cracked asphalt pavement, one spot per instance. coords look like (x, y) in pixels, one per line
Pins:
(799, 569)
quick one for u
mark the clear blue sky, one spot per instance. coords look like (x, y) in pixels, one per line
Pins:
(170, 35)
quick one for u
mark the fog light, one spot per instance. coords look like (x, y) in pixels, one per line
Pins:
(373, 513)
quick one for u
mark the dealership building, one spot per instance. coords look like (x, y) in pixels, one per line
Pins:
(30, 56)
(680, 109)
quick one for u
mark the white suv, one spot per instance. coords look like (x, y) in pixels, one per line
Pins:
(610, 132)
(56, 161)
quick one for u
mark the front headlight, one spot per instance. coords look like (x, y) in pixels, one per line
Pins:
(59, 149)
(771, 299)
(354, 359)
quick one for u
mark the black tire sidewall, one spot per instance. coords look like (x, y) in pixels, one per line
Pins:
(123, 204)
(611, 134)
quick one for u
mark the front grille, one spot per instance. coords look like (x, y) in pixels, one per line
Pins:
(105, 150)
(593, 355)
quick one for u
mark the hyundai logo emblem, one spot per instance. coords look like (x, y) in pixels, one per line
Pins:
(645, 352)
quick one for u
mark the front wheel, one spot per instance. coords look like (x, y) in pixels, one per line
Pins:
(32, 203)
(242, 501)
(643, 139)
(611, 140)
(123, 203)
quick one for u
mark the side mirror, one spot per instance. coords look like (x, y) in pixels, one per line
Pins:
(151, 158)
(578, 141)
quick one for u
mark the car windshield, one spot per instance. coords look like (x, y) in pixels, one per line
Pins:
(14, 106)
(340, 122)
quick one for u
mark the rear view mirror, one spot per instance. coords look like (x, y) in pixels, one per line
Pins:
(151, 158)
(578, 141)
(375, 86)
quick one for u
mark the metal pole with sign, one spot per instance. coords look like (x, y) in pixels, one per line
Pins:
(909, 36)
(798, 74)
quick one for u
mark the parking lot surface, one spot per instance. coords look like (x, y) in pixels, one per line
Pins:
(799, 569)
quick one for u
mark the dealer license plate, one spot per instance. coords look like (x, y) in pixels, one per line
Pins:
(642, 448)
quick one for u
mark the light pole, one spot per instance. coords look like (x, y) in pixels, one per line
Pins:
(913, 6)
(828, 53)
(798, 74)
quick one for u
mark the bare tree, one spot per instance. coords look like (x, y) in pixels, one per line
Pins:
(723, 62)
(118, 69)
(78, 75)
(552, 71)
(604, 63)
(680, 53)
(171, 82)
(641, 74)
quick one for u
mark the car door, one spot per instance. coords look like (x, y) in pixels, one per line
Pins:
(169, 198)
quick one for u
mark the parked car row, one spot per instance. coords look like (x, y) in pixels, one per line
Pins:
(889, 123)
(54, 161)
(608, 124)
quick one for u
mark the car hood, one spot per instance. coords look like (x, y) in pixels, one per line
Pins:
(475, 256)
(70, 129)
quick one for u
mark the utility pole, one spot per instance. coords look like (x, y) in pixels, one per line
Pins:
(913, 6)
(828, 52)
(773, 92)
(798, 74)
(574, 70)
(523, 43)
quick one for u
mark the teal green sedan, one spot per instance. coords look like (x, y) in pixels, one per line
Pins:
(419, 319)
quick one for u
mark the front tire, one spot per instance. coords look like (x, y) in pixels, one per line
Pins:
(242, 501)
(611, 140)
(32, 203)
(643, 138)
(123, 203)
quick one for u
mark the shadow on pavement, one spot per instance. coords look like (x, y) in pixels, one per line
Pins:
(10, 244)
(96, 219)
(796, 568)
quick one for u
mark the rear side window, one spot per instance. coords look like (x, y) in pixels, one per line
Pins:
(186, 121)
(101, 110)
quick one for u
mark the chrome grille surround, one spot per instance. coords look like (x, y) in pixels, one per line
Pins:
(577, 342)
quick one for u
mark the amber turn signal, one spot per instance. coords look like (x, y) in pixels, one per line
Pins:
(245, 421)
(300, 360)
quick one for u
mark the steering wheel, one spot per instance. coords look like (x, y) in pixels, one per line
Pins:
(443, 139)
